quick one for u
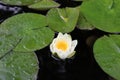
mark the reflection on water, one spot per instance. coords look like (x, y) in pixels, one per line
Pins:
(7, 11)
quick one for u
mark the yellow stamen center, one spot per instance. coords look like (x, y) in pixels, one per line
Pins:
(62, 45)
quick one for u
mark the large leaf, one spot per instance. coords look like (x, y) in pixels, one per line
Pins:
(44, 5)
(63, 20)
(103, 14)
(19, 66)
(7, 42)
(20, 2)
(107, 54)
(30, 28)
(83, 23)
(35, 39)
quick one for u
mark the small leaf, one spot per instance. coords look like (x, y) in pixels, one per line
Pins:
(20, 2)
(44, 5)
(19, 66)
(103, 14)
(107, 54)
(63, 20)
(30, 28)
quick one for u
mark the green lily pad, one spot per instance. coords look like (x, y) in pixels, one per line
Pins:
(20, 2)
(19, 66)
(7, 42)
(35, 40)
(30, 28)
(44, 5)
(107, 54)
(83, 23)
(63, 20)
(103, 14)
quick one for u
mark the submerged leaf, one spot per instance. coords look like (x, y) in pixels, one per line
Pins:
(107, 54)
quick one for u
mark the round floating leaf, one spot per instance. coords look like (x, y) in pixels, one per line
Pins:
(30, 28)
(20, 2)
(103, 14)
(107, 54)
(63, 20)
(44, 5)
(35, 39)
(7, 42)
(19, 66)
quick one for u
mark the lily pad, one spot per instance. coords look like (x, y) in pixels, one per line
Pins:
(103, 14)
(35, 40)
(83, 23)
(107, 54)
(20, 2)
(7, 42)
(30, 28)
(44, 5)
(19, 66)
(63, 20)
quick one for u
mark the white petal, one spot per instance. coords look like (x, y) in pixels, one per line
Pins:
(62, 55)
(70, 55)
(67, 36)
(52, 46)
(74, 44)
(60, 35)
(68, 39)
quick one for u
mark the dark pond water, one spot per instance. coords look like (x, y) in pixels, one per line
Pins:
(81, 67)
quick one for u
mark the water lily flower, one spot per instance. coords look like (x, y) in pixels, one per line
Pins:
(63, 46)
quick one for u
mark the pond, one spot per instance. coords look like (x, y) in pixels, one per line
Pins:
(82, 66)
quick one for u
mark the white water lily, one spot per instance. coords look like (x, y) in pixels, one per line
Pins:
(63, 46)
